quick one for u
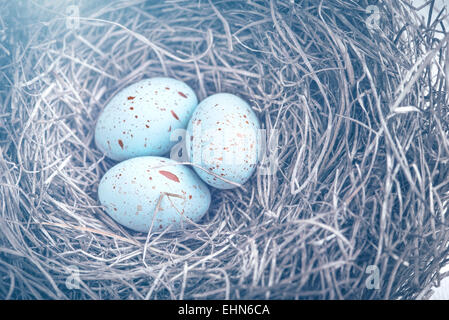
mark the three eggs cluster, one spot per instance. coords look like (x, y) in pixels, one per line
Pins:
(139, 127)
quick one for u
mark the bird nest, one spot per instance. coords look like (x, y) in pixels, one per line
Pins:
(349, 202)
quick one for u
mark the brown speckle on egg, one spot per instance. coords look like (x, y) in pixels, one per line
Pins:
(169, 175)
(174, 115)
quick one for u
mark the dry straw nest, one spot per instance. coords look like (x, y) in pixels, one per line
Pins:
(363, 149)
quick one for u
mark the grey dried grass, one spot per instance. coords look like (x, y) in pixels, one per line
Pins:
(363, 150)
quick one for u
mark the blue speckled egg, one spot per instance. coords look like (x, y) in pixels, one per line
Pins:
(138, 121)
(222, 138)
(130, 192)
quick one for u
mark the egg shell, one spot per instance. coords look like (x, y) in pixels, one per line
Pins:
(130, 192)
(223, 138)
(140, 119)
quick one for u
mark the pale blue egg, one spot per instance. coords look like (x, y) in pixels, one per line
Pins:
(131, 190)
(223, 138)
(140, 119)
